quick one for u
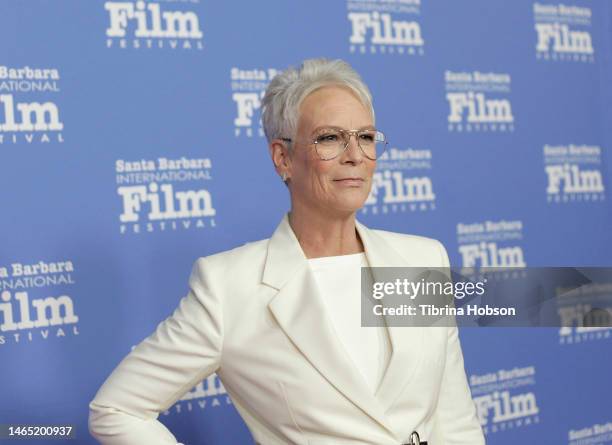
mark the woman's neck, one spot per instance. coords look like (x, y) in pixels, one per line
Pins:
(321, 236)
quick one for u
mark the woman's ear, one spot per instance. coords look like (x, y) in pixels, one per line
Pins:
(280, 154)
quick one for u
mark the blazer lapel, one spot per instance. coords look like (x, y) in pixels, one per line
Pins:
(299, 309)
(406, 342)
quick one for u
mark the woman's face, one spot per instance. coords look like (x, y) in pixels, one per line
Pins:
(341, 185)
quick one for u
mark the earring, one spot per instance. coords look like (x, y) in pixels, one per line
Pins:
(284, 176)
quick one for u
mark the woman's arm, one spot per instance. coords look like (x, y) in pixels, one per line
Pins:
(184, 349)
(456, 422)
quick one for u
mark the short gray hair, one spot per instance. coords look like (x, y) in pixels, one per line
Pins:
(285, 93)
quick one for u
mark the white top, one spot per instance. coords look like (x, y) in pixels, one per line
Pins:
(339, 281)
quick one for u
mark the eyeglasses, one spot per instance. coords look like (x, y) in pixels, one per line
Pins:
(331, 142)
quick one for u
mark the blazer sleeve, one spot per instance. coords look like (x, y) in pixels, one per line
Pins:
(184, 349)
(456, 422)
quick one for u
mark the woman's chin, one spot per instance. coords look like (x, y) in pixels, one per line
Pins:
(349, 205)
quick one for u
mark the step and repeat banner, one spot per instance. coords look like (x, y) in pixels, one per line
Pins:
(131, 144)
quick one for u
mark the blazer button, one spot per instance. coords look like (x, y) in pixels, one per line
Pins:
(415, 439)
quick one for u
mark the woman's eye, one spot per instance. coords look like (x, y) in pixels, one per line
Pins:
(329, 137)
(367, 137)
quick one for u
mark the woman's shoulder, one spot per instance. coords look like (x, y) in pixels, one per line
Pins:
(409, 238)
(416, 248)
(247, 254)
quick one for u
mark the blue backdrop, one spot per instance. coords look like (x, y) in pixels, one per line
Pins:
(131, 144)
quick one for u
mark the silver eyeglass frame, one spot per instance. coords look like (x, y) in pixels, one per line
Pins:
(349, 133)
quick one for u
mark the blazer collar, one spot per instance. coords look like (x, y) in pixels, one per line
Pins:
(285, 255)
(299, 309)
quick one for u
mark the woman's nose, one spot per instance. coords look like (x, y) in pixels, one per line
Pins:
(353, 150)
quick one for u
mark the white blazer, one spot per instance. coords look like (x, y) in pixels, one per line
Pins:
(254, 315)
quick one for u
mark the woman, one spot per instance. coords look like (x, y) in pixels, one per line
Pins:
(283, 332)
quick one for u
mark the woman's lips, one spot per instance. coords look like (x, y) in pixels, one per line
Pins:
(353, 182)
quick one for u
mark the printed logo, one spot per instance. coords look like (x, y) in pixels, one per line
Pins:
(164, 195)
(505, 399)
(209, 393)
(478, 102)
(152, 25)
(563, 33)
(574, 173)
(26, 315)
(248, 89)
(598, 433)
(584, 313)
(401, 183)
(27, 113)
(492, 244)
(385, 27)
